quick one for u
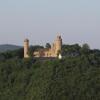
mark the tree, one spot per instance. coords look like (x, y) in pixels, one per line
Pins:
(86, 46)
(30, 53)
(48, 45)
(85, 49)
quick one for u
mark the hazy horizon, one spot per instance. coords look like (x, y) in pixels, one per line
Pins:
(78, 21)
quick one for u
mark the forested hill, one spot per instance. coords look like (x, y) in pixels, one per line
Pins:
(6, 47)
(75, 77)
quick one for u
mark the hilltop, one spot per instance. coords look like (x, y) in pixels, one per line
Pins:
(75, 77)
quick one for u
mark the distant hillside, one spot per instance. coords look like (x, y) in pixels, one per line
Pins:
(8, 47)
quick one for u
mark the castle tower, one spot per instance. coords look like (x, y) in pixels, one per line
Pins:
(58, 45)
(26, 48)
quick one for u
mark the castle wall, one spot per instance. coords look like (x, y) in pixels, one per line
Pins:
(58, 44)
(52, 52)
(26, 48)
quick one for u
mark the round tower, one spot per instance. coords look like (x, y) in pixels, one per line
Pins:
(26, 48)
(58, 45)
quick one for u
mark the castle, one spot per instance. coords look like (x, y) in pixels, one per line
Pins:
(54, 51)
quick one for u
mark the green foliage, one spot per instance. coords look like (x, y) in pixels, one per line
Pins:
(48, 45)
(71, 50)
(72, 78)
(12, 54)
(85, 49)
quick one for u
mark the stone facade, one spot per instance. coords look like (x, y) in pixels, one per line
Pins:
(26, 48)
(54, 51)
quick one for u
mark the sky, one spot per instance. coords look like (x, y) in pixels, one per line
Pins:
(77, 21)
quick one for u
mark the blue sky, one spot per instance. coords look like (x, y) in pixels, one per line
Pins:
(78, 21)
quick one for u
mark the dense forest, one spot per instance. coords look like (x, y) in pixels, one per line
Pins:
(75, 77)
